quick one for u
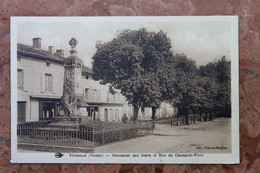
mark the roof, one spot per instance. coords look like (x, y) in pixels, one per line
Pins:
(86, 69)
(31, 51)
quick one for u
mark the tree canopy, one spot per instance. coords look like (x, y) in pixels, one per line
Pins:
(218, 86)
(142, 65)
(197, 90)
(135, 62)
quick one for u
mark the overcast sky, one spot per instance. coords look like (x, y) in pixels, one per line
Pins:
(201, 40)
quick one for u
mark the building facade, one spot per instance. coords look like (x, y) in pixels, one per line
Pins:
(39, 82)
(50, 86)
(101, 104)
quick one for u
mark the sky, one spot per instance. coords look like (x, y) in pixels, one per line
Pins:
(202, 39)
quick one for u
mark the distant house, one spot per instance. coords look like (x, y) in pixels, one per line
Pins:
(102, 105)
(39, 81)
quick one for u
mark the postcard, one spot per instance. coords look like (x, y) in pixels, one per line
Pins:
(158, 90)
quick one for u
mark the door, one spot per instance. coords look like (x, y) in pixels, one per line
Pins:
(117, 115)
(21, 106)
(93, 115)
(48, 109)
(106, 114)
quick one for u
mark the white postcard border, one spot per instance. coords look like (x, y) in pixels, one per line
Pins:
(180, 158)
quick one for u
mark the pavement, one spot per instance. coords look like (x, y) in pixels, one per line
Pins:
(205, 137)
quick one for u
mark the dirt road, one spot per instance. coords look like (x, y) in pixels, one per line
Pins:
(206, 137)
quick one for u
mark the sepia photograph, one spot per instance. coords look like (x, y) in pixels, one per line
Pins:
(125, 89)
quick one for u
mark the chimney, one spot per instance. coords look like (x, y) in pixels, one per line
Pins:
(51, 49)
(60, 52)
(37, 42)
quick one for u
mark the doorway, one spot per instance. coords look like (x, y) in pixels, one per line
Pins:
(106, 114)
(21, 110)
(48, 109)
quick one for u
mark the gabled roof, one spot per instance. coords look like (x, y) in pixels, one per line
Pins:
(31, 51)
(86, 69)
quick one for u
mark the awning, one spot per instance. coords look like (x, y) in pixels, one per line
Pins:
(46, 96)
(103, 103)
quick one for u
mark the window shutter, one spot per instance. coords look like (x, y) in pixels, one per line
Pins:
(98, 95)
(55, 84)
(91, 95)
(42, 82)
(27, 79)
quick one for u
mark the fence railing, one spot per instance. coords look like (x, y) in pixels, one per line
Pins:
(174, 121)
(109, 134)
(55, 135)
(82, 135)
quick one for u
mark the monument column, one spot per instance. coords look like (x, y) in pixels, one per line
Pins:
(72, 79)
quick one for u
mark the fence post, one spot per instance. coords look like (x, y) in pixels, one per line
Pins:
(29, 133)
(77, 134)
(20, 133)
(36, 134)
(147, 128)
(153, 126)
(93, 134)
(43, 135)
(103, 134)
(120, 133)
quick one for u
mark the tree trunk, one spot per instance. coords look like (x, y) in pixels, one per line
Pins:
(194, 118)
(187, 118)
(200, 116)
(206, 116)
(229, 112)
(136, 109)
(177, 120)
(153, 112)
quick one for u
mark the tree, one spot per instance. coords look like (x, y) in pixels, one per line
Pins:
(217, 86)
(223, 78)
(135, 62)
(184, 93)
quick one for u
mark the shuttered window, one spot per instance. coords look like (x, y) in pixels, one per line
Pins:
(92, 95)
(48, 82)
(20, 79)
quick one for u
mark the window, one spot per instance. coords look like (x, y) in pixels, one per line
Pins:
(86, 94)
(20, 79)
(48, 82)
(97, 96)
(92, 95)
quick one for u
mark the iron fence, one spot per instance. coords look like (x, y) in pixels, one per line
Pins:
(86, 135)
(180, 121)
